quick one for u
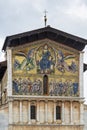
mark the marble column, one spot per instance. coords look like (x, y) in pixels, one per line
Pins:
(63, 112)
(10, 112)
(71, 113)
(54, 111)
(38, 112)
(46, 111)
(29, 118)
(21, 115)
(81, 113)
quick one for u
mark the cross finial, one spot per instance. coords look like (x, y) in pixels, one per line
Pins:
(45, 18)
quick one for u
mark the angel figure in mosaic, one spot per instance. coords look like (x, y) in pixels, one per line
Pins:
(62, 64)
(27, 61)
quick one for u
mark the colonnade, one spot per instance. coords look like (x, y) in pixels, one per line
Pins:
(37, 120)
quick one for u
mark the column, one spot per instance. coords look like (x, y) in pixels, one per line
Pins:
(81, 113)
(46, 112)
(21, 112)
(71, 113)
(10, 112)
(54, 111)
(63, 113)
(29, 118)
(38, 112)
(9, 72)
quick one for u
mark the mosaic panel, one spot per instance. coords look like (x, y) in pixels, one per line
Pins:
(27, 86)
(63, 87)
(59, 63)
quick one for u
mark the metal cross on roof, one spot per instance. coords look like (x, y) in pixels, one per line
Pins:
(45, 18)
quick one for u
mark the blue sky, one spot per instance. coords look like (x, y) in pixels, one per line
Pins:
(18, 16)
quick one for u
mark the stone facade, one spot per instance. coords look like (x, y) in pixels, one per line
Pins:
(42, 87)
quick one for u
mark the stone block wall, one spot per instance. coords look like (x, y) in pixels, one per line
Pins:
(4, 117)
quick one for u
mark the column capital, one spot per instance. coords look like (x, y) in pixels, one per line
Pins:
(63, 101)
(54, 100)
(10, 99)
(46, 101)
(38, 100)
(81, 102)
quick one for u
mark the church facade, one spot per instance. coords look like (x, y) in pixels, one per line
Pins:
(42, 81)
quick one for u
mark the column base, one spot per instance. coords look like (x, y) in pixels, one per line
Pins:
(29, 123)
(63, 123)
(38, 122)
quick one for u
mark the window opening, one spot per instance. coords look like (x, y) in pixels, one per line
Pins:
(33, 112)
(45, 84)
(58, 112)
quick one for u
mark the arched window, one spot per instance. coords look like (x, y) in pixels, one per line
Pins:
(58, 112)
(33, 111)
(45, 84)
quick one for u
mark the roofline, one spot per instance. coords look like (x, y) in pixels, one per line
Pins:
(38, 31)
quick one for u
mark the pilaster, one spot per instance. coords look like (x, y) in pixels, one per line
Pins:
(9, 71)
(10, 112)
(81, 74)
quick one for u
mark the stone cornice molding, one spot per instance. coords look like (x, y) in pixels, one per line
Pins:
(45, 98)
